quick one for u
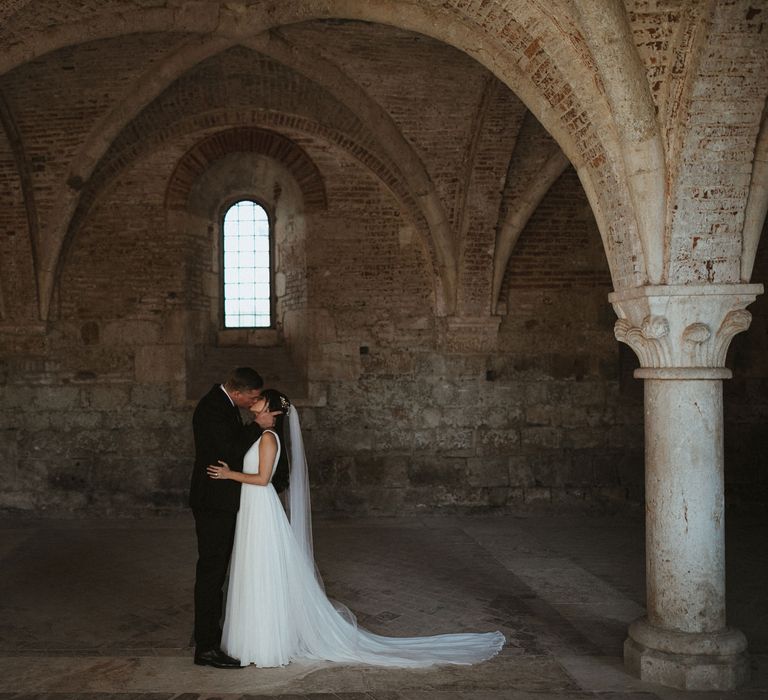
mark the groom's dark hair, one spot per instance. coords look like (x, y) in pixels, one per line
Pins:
(244, 379)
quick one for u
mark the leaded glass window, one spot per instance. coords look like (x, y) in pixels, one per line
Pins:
(247, 265)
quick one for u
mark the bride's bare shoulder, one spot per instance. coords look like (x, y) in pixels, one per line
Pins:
(269, 437)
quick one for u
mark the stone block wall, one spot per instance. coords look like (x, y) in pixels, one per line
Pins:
(406, 408)
(413, 413)
(438, 417)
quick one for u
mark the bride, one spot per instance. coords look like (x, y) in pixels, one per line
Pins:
(277, 610)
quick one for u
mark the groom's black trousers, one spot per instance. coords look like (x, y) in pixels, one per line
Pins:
(215, 536)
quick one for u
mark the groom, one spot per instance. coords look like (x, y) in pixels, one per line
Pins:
(219, 435)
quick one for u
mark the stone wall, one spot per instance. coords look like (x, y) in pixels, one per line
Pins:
(407, 405)
(410, 413)
(411, 416)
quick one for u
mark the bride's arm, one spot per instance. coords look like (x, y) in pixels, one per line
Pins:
(267, 452)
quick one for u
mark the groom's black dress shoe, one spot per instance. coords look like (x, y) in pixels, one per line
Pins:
(216, 658)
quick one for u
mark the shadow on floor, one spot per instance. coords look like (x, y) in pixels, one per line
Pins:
(104, 608)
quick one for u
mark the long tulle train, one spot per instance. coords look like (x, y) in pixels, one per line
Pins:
(277, 611)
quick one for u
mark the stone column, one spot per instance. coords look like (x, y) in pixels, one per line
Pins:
(681, 335)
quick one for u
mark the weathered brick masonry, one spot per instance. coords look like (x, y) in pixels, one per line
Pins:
(513, 392)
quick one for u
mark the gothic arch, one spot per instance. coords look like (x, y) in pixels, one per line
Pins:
(190, 53)
(559, 79)
(252, 140)
(261, 120)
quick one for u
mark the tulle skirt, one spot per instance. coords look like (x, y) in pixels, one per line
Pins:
(277, 611)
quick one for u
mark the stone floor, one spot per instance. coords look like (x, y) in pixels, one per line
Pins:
(102, 609)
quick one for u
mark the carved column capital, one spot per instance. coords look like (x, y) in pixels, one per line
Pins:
(682, 331)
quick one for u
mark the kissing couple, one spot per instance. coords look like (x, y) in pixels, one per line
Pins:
(276, 607)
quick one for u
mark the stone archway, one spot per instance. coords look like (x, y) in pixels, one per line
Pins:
(572, 107)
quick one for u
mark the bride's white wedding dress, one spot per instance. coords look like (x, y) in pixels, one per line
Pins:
(277, 610)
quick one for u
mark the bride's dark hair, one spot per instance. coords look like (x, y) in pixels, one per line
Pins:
(277, 401)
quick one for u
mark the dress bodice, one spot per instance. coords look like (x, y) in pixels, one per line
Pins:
(251, 458)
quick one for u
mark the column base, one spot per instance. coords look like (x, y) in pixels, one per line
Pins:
(689, 661)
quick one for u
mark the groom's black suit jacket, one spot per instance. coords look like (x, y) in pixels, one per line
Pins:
(219, 435)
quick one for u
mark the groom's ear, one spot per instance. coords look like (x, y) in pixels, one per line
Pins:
(238, 397)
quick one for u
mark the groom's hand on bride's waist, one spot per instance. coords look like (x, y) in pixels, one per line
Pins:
(218, 471)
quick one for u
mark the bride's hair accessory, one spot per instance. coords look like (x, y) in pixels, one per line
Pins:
(276, 400)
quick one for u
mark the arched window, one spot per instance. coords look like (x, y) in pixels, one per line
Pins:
(247, 266)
